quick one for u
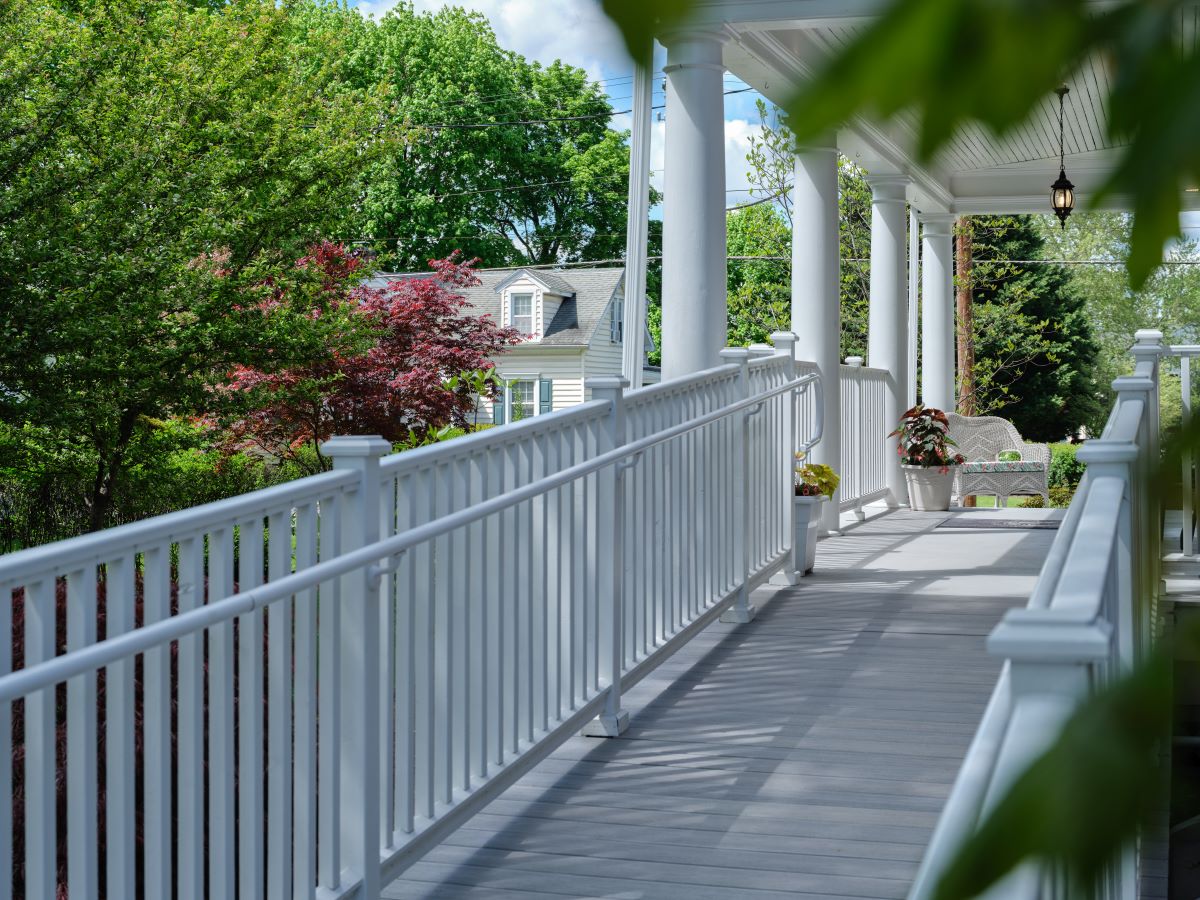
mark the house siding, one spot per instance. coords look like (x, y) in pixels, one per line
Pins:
(564, 370)
(603, 357)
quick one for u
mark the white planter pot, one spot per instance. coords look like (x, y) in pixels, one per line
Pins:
(807, 514)
(929, 488)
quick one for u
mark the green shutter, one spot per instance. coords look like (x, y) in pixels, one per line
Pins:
(546, 396)
(498, 411)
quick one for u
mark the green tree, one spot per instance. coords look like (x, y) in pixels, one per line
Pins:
(1169, 300)
(760, 290)
(499, 157)
(1035, 355)
(163, 166)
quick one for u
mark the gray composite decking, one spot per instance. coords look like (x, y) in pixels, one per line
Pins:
(806, 754)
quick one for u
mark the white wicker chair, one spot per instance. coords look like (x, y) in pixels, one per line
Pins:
(981, 439)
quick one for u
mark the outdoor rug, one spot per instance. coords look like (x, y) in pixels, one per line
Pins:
(973, 521)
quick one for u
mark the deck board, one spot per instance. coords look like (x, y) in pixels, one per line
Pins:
(805, 755)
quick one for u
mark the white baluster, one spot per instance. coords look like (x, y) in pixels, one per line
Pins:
(741, 611)
(41, 829)
(279, 712)
(120, 828)
(156, 752)
(1189, 485)
(83, 877)
(785, 344)
(251, 636)
(190, 725)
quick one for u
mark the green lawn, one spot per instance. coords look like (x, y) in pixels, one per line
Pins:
(990, 502)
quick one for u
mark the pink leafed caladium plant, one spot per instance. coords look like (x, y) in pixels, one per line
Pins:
(925, 439)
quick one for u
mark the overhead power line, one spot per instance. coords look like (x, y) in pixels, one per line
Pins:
(478, 126)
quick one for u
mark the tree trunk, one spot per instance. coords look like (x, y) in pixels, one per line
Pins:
(966, 324)
(108, 468)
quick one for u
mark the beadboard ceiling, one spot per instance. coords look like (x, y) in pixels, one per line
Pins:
(774, 45)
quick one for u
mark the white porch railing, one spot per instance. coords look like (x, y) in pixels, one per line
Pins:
(864, 428)
(864, 434)
(319, 681)
(1190, 482)
(1093, 613)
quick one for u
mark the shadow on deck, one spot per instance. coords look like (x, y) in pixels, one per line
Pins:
(806, 754)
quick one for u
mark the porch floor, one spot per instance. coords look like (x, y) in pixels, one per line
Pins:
(806, 754)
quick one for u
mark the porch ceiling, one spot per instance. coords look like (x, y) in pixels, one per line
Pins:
(775, 45)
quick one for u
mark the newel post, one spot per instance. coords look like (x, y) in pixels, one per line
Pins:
(1052, 655)
(741, 611)
(793, 565)
(358, 652)
(1119, 459)
(1148, 350)
(611, 529)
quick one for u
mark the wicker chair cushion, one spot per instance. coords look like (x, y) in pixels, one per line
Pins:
(972, 468)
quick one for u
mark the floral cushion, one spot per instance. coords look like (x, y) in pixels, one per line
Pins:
(990, 466)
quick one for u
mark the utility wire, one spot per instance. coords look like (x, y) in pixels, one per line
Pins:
(478, 126)
(618, 261)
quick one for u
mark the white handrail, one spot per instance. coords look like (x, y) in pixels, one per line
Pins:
(28, 564)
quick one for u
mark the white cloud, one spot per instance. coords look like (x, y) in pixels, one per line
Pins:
(575, 31)
(737, 145)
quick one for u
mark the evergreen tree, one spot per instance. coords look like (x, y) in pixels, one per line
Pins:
(1035, 352)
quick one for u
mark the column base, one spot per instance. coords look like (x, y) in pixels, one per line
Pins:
(606, 726)
(736, 616)
(786, 578)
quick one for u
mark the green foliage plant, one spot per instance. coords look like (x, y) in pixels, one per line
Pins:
(1065, 468)
(815, 479)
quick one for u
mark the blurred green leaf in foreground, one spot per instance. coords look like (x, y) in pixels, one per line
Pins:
(1079, 803)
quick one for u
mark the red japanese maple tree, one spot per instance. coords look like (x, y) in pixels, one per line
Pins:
(418, 334)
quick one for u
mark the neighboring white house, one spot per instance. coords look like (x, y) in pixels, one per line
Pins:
(573, 327)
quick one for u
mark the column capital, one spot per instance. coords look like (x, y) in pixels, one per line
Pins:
(694, 48)
(888, 188)
(938, 224)
(818, 146)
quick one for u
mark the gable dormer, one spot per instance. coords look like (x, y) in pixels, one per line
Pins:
(529, 301)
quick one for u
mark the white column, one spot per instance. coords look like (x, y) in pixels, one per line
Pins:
(887, 325)
(694, 266)
(816, 295)
(914, 294)
(632, 346)
(937, 312)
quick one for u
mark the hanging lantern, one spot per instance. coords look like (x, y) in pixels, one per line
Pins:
(1062, 192)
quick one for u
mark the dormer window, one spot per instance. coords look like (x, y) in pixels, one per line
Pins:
(521, 316)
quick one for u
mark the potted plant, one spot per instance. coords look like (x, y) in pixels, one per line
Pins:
(813, 485)
(926, 457)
